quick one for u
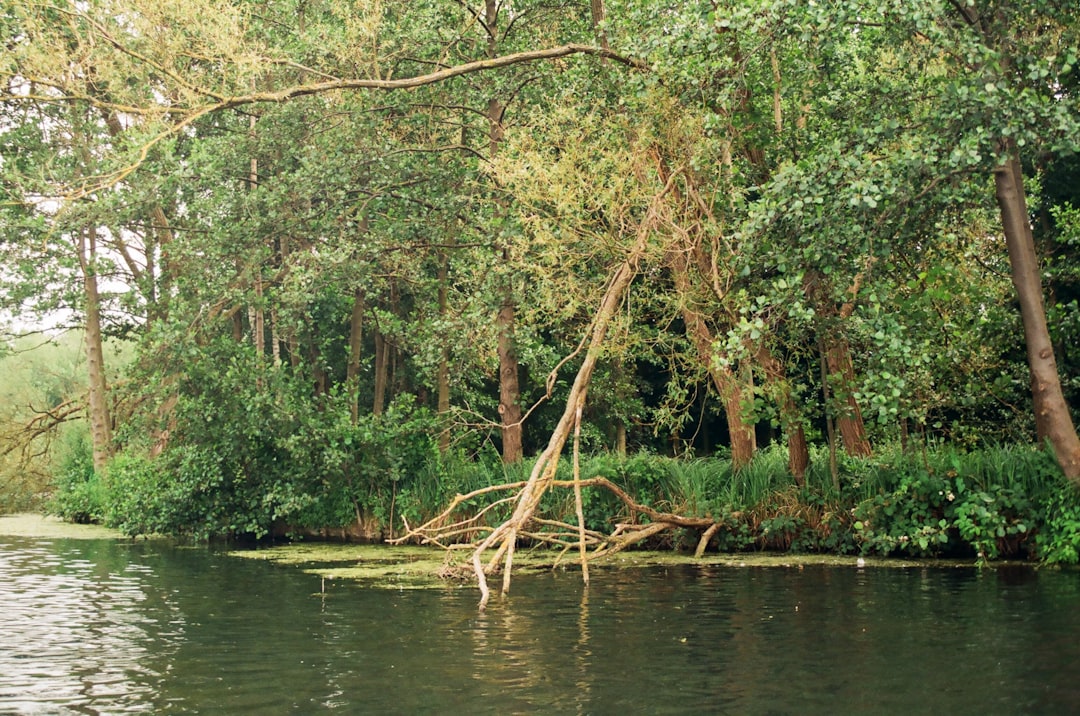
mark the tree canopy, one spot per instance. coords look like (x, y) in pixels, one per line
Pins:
(344, 237)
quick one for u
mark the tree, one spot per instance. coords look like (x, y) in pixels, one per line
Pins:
(1007, 63)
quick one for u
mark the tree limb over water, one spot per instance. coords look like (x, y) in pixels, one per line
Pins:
(503, 538)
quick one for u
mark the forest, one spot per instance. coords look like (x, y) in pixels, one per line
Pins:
(738, 274)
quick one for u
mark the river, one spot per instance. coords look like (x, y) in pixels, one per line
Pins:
(96, 626)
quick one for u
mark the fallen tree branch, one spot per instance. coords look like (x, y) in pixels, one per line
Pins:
(503, 538)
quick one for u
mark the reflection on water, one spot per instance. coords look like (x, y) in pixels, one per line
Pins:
(111, 627)
(73, 632)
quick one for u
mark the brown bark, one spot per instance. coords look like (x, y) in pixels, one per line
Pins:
(798, 452)
(100, 421)
(237, 326)
(163, 240)
(258, 331)
(318, 373)
(734, 388)
(258, 320)
(790, 416)
(730, 386)
(504, 537)
(849, 420)
(510, 413)
(620, 438)
(778, 114)
(288, 335)
(543, 472)
(352, 371)
(382, 373)
(509, 391)
(442, 399)
(442, 377)
(275, 337)
(839, 368)
(1053, 421)
(596, 9)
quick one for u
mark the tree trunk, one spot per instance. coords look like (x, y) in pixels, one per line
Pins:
(163, 240)
(543, 472)
(275, 337)
(318, 373)
(733, 387)
(100, 421)
(1053, 421)
(838, 379)
(352, 371)
(256, 312)
(849, 420)
(729, 385)
(798, 452)
(509, 386)
(382, 370)
(237, 326)
(509, 391)
(442, 378)
(258, 321)
(790, 416)
(596, 10)
(620, 438)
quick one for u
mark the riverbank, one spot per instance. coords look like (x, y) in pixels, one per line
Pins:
(31, 524)
(417, 567)
(1004, 502)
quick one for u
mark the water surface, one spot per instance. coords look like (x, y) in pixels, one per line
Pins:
(111, 626)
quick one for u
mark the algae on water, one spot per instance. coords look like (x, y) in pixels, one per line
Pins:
(411, 567)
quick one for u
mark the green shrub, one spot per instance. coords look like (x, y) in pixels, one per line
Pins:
(79, 494)
(1058, 541)
(993, 520)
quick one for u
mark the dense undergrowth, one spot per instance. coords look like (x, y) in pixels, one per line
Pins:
(993, 503)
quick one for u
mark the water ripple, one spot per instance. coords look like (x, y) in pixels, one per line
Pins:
(71, 633)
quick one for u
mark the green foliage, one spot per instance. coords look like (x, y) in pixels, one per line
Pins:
(254, 450)
(80, 496)
(911, 518)
(987, 518)
(1059, 539)
(988, 503)
(361, 470)
(40, 373)
(820, 182)
(141, 498)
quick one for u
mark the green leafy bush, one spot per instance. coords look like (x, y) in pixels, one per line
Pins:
(993, 520)
(1059, 540)
(79, 493)
(911, 518)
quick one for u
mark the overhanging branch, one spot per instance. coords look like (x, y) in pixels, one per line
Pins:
(193, 114)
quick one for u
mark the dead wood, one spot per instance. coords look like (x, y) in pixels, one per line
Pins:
(501, 540)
